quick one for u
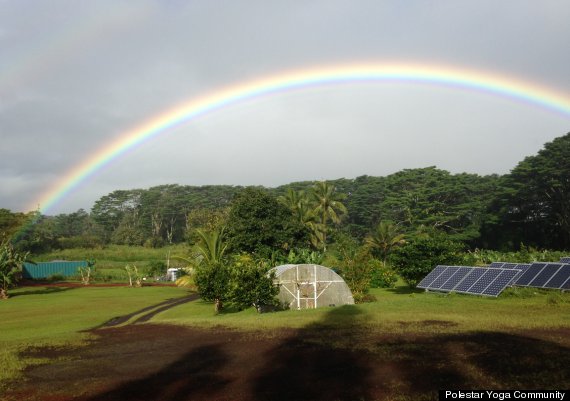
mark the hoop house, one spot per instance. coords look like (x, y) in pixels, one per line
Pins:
(311, 286)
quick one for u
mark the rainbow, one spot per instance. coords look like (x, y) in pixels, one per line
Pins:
(492, 84)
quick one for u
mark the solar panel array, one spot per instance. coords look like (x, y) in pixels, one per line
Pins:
(488, 281)
(545, 275)
(521, 267)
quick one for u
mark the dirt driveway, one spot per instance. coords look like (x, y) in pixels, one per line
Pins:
(172, 363)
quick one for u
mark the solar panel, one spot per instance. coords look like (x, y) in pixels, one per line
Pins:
(431, 277)
(470, 279)
(520, 270)
(498, 285)
(484, 281)
(566, 285)
(454, 280)
(565, 259)
(545, 275)
(530, 273)
(497, 264)
(559, 278)
(443, 277)
(491, 281)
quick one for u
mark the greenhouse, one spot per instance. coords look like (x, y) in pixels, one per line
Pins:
(310, 286)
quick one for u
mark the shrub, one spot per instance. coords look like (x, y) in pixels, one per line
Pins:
(156, 268)
(414, 260)
(382, 276)
(250, 284)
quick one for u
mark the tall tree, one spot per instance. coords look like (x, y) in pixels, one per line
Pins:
(213, 273)
(328, 206)
(385, 238)
(258, 223)
(536, 206)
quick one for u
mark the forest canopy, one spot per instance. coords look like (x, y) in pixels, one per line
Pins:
(530, 206)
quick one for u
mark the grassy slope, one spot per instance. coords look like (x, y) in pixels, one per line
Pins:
(56, 316)
(117, 256)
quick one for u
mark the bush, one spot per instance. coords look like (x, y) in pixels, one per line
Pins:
(354, 264)
(382, 276)
(414, 260)
(251, 285)
(156, 268)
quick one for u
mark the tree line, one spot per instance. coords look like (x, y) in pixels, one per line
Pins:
(529, 206)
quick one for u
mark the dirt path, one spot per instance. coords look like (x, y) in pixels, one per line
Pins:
(172, 363)
(152, 310)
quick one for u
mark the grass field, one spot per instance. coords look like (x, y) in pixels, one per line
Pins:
(115, 255)
(402, 310)
(56, 317)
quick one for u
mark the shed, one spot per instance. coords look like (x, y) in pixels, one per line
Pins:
(308, 286)
(46, 269)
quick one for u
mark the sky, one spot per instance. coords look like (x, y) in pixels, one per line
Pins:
(75, 77)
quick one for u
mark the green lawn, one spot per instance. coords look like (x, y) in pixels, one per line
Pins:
(401, 310)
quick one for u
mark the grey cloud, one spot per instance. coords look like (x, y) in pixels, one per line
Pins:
(75, 76)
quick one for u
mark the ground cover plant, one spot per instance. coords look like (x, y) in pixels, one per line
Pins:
(404, 346)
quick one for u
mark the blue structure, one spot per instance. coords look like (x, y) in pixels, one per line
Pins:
(43, 270)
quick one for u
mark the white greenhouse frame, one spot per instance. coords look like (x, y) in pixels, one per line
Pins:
(307, 286)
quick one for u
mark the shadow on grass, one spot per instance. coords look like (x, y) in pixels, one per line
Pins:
(404, 290)
(39, 291)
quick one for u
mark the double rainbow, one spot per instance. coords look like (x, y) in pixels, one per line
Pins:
(488, 83)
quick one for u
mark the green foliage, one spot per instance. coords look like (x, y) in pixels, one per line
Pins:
(156, 268)
(328, 207)
(10, 267)
(87, 273)
(481, 257)
(384, 238)
(259, 224)
(414, 260)
(213, 283)
(303, 256)
(250, 284)
(135, 277)
(535, 205)
(353, 263)
(204, 219)
(87, 241)
(382, 276)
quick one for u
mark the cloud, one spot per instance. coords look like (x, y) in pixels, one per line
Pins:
(75, 76)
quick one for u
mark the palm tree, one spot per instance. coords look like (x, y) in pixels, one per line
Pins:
(385, 237)
(211, 247)
(304, 212)
(213, 275)
(328, 206)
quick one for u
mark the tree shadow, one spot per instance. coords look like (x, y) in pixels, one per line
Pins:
(405, 290)
(43, 291)
(477, 360)
(318, 362)
(194, 376)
